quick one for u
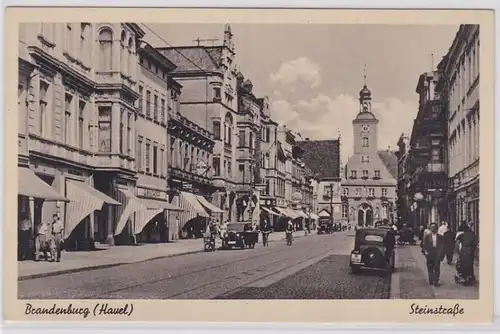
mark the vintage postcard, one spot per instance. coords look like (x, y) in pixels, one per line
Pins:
(249, 165)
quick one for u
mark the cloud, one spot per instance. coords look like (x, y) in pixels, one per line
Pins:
(323, 117)
(300, 70)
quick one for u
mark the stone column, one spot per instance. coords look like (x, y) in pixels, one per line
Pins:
(110, 240)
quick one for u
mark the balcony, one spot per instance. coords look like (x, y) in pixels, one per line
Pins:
(38, 144)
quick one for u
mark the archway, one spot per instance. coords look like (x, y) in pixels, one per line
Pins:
(365, 215)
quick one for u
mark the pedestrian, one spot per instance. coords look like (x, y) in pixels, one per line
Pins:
(421, 230)
(433, 247)
(425, 232)
(466, 248)
(44, 240)
(443, 228)
(57, 232)
(24, 237)
(449, 244)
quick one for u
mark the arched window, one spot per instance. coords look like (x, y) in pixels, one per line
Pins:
(85, 37)
(105, 50)
(365, 142)
(124, 53)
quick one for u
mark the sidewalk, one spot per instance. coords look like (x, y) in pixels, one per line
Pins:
(105, 257)
(409, 281)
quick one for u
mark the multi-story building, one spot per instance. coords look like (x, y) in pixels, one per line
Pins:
(77, 89)
(369, 186)
(403, 200)
(458, 88)
(322, 157)
(209, 99)
(425, 163)
(93, 127)
(248, 154)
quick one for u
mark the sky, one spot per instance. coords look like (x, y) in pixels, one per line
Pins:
(312, 73)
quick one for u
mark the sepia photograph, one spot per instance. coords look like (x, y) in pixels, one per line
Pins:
(237, 161)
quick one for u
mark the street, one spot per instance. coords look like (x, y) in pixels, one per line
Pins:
(314, 267)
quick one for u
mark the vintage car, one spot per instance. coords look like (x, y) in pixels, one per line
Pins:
(325, 226)
(238, 235)
(370, 248)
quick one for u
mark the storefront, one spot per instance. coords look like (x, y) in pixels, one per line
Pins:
(34, 193)
(153, 223)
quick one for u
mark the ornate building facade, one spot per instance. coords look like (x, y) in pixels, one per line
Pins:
(458, 89)
(369, 186)
(209, 100)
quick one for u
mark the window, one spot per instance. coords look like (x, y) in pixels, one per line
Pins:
(225, 168)
(384, 192)
(353, 174)
(345, 211)
(173, 157)
(69, 39)
(217, 93)
(163, 111)
(365, 142)
(122, 129)
(104, 135)
(377, 173)
(162, 162)
(84, 41)
(81, 122)
(216, 129)
(365, 159)
(140, 101)
(250, 139)
(173, 99)
(266, 160)
(268, 135)
(67, 118)
(346, 192)
(435, 155)
(242, 138)
(105, 50)
(365, 173)
(148, 152)
(371, 192)
(138, 153)
(186, 157)
(148, 103)
(155, 160)
(129, 134)
(358, 192)
(229, 169)
(155, 108)
(44, 89)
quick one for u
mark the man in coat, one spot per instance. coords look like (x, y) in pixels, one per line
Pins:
(433, 248)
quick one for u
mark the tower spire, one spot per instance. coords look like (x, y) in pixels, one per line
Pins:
(364, 75)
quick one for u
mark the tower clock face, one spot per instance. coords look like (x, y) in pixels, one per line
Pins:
(365, 128)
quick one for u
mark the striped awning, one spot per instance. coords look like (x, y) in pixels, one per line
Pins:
(83, 201)
(154, 207)
(301, 213)
(191, 206)
(31, 185)
(208, 205)
(287, 212)
(133, 204)
(270, 211)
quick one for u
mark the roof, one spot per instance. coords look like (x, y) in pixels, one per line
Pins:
(390, 161)
(322, 157)
(198, 57)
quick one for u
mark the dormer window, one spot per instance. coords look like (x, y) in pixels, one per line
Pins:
(353, 174)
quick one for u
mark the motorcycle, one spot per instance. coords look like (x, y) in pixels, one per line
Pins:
(209, 243)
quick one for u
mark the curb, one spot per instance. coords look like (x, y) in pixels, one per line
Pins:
(110, 265)
(100, 266)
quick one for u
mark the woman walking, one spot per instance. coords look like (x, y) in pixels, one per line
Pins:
(466, 244)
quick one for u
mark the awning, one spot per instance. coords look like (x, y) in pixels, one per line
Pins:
(301, 213)
(313, 215)
(31, 185)
(84, 200)
(208, 205)
(270, 211)
(133, 205)
(293, 213)
(195, 204)
(287, 213)
(154, 207)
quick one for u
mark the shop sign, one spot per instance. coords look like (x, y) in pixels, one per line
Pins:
(151, 193)
(296, 197)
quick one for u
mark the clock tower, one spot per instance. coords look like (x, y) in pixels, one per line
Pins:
(365, 125)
